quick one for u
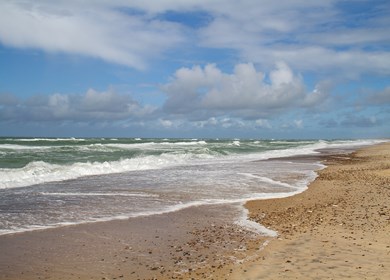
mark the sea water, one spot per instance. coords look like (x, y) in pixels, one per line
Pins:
(50, 182)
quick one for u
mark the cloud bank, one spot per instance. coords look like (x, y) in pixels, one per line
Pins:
(245, 93)
(204, 97)
(92, 106)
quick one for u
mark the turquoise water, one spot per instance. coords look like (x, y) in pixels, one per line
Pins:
(53, 182)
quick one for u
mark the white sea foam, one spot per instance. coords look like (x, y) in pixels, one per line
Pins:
(184, 143)
(78, 194)
(313, 148)
(23, 147)
(47, 139)
(268, 180)
(41, 172)
(153, 145)
(244, 222)
(299, 187)
(235, 143)
(165, 210)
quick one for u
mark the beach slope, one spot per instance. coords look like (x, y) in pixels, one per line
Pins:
(339, 228)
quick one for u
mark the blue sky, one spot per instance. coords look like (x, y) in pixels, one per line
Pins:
(166, 68)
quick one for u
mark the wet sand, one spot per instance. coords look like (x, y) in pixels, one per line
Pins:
(194, 243)
(338, 228)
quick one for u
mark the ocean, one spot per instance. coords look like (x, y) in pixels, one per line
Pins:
(52, 182)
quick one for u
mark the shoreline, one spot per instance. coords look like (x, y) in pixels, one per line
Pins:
(202, 243)
(194, 241)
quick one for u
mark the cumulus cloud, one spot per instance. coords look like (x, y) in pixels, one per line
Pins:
(244, 93)
(92, 106)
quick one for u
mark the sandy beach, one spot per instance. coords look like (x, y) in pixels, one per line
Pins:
(337, 229)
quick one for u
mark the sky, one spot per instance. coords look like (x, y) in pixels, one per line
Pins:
(195, 68)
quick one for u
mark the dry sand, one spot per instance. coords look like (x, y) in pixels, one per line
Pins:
(337, 229)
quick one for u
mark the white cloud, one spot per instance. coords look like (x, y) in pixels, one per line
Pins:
(93, 106)
(59, 105)
(348, 64)
(292, 124)
(318, 36)
(346, 36)
(166, 123)
(318, 98)
(211, 122)
(309, 36)
(98, 29)
(109, 101)
(227, 122)
(282, 76)
(244, 93)
(262, 123)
